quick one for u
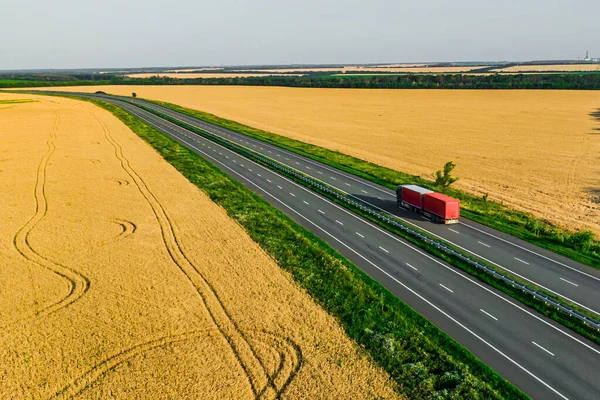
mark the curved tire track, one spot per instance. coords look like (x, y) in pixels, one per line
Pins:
(253, 367)
(78, 283)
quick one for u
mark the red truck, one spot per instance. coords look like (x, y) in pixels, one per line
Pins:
(435, 206)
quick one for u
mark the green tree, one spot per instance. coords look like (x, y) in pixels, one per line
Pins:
(444, 178)
(134, 94)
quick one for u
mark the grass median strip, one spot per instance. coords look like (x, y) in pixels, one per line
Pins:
(423, 361)
(579, 246)
(543, 306)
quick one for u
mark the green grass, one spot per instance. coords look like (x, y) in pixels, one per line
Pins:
(578, 246)
(17, 101)
(527, 299)
(422, 360)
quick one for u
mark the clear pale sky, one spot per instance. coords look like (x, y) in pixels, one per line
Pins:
(136, 33)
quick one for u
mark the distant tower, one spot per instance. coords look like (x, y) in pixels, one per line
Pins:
(587, 56)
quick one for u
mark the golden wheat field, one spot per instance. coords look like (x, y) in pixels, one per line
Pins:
(536, 151)
(390, 69)
(120, 279)
(550, 68)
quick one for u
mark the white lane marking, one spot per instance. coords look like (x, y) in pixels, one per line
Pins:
(448, 289)
(332, 178)
(532, 252)
(279, 187)
(411, 266)
(297, 163)
(574, 284)
(306, 202)
(488, 314)
(259, 175)
(293, 195)
(307, 167)
(379, 198)
(360, 235)
(524, 262)
(235, 161)
(287, 159)
(227, 157)
(455, 231)
(339, 222)
(547, 351)
(383, 249)
(347, 184)
(249, 170)
(319, 172)
(241, 165)
(268, 180)
(364, 191)
(270, 152)
(220, 153)
(483, 244)
(468, 278)
(321, 212)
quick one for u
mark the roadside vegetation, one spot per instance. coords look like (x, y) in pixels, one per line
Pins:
(588, 80)
(579, 246)
(422, 360)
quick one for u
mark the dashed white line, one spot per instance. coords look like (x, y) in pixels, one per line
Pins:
(347, 184)
(547, 351)
(307, 167)
(448, 289)
(524, 262)
(279, 187)
(383, 249)
(297, 163)
(483, 244)
(360, 235)
(268, 180)
(292, 194)
(321, 212)
(332, 178)
(379, 198)
(455, 231)
(319, 172)
(339, 222)
(574, 284)
(306, 202)
(364, 191)
(411, 266)
(488, 314)
(259, 175)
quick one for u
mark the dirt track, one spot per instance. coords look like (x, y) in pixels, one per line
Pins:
(120, 279)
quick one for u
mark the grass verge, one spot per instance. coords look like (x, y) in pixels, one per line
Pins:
(422, 360)
(580, 246)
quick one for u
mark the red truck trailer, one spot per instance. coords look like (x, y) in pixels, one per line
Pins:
(411, 196)
(441, 208)
(435, 206)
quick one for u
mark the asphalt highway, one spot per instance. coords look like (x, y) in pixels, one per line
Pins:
(572, 281)
(541, 357)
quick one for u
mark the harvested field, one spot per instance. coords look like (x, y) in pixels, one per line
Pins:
(550, 68)
(192, 75)
(120, 279)
(536, 151)
(406, 69)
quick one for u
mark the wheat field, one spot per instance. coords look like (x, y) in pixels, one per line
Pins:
(204, 75)
(120, 279)
(533, 150)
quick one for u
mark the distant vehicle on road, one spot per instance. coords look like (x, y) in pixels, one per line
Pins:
(437, 207)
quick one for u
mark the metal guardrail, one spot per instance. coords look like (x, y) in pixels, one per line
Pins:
(376, 213)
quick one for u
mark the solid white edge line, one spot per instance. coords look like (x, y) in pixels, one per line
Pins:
(488, 314)
(506, 300)
(448, 289)
(546, 350)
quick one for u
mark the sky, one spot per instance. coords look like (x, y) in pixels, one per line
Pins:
(149, 33)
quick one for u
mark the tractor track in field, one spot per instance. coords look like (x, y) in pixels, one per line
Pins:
(78, 283)
(261, 382)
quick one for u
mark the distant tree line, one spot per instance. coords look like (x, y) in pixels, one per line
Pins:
(576, 81)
